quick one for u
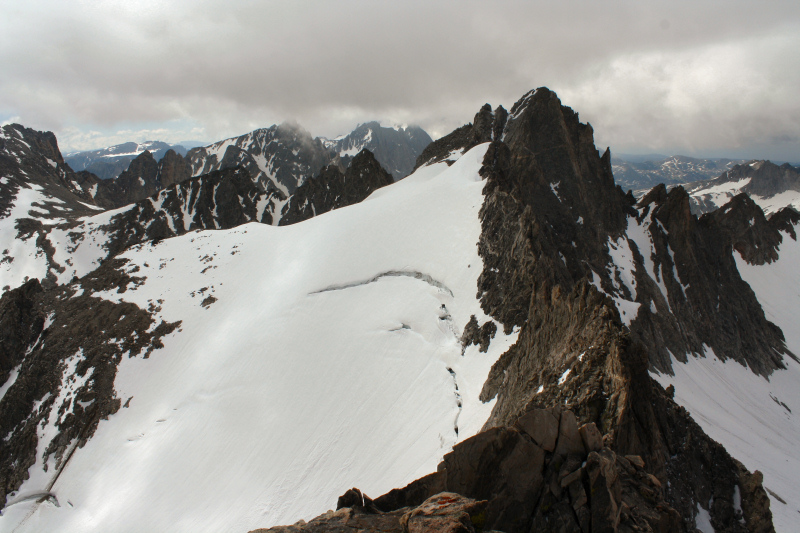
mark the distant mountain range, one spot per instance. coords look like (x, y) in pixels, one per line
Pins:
(771, 186)
(645, 172)
(110, 162)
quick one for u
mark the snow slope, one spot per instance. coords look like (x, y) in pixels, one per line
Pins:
(758, 421)
(329, 359)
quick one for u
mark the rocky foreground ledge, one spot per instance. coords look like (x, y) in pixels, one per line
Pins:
(543, 473)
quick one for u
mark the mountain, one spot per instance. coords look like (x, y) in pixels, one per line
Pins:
(505, 330)
(279, 158)
(110, 162)
(632, 172)
(56, 244)
(397, 148)
(282, 157)
(771, 186)
(143, 177)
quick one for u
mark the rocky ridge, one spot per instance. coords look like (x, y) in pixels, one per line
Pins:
(673, 170)
(143, 177)
(31, 159)
(396, 148)
(278, 158)
(333, 189)
(109, 163)
(603, 290)
(771, 186)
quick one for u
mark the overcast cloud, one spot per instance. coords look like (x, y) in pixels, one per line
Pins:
(718, 78)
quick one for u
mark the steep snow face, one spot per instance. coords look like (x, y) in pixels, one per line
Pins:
(311, 358)
(758, 421)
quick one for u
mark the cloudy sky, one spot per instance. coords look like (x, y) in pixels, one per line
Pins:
(696, 78)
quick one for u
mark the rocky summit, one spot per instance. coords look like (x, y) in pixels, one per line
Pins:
(504, 340)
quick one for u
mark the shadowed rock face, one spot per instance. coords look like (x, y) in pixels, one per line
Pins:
(550, 215)
(144, 177)
(333, 189)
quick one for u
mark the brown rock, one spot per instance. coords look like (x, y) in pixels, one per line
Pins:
(571, 478)
(654, 480)
(635, 460)
(605, 491)
(541, 425)
(592, 439)
(569, 439)
(446, 512)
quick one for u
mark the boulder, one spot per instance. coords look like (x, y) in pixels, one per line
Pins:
(591, 437)
(569, 438)
(446, 513)
(541, 425)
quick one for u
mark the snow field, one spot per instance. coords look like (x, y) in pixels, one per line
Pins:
(329, 359)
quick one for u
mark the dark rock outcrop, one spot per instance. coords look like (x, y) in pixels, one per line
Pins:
(486, 126)
(542, 475)
(441, 513)
(551, 218)
(144, 177)
(397, 149)
(20, 325)
(333, 189)
(62, 341)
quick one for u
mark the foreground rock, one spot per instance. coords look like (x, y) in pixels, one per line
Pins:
(442, 513)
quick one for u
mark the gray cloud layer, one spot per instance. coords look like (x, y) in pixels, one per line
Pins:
(715, 78)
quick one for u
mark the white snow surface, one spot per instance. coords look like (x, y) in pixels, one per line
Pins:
(28, 260)
(324, 364)
(722, 193)
(743, 411)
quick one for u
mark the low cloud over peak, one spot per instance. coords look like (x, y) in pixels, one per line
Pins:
(667, 77)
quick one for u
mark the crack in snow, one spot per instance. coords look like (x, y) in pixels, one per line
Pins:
(390, 273)
(458, 399)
